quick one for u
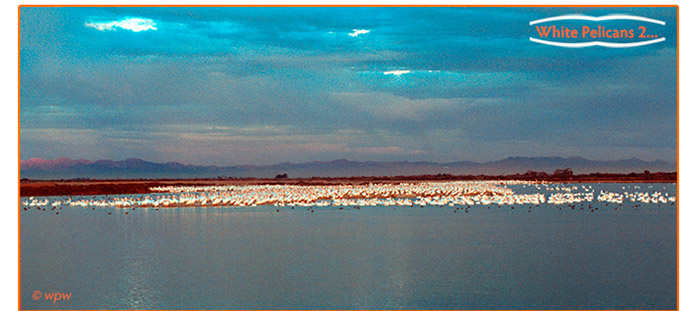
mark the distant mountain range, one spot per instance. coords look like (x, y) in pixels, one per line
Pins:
(64, 168)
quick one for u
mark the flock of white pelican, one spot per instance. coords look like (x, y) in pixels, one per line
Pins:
(419, 194)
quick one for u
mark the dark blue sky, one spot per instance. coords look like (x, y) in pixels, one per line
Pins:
(266, 85)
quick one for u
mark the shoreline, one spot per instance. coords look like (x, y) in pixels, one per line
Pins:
(40, 188)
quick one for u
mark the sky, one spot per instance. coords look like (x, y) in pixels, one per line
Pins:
(242, 85)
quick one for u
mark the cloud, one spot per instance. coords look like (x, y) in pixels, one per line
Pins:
(396, 72)
(216, 72)
(358, 32)
(134, 24)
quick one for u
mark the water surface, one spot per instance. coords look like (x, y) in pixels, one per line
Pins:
(376, 257)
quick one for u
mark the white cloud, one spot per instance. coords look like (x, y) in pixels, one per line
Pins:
(134, 24)
(396, 72)
(358, 32)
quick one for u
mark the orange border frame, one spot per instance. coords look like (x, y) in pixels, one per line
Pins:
(19, 246)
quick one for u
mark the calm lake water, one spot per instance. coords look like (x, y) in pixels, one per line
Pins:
(377, 257)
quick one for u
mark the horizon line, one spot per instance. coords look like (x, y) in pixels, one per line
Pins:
(349, 160)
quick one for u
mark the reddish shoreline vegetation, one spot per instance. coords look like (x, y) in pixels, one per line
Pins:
(81, 186)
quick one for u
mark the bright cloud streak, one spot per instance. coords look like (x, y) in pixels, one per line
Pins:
(134, 24)
(396, 72)
(358, 32)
